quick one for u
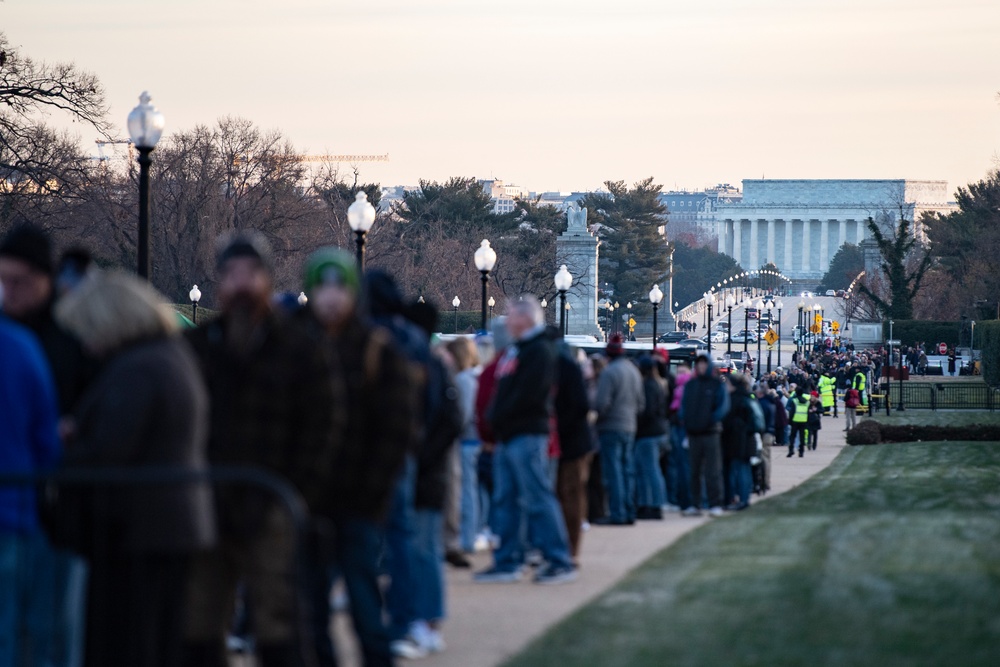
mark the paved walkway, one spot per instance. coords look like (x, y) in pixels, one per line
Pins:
(489, 623)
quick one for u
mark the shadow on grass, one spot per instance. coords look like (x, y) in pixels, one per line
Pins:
(889, 557)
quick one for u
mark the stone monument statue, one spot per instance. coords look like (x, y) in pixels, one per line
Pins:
(577, 248)
(576, 219)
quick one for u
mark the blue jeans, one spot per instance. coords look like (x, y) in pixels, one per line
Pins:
(470, 489)
(521, 491)
(25, 600)
(651, 489)
(69, 587)
(740, 481)
(400, 601)
(618, 469)
(355, 555)
(428, 565)
(678, 470)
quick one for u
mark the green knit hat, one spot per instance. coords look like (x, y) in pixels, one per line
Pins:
(332, 265)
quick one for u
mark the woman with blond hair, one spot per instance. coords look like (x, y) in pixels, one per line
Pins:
(147, 409)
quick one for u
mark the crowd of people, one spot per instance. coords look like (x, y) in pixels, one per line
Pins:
(408, 452)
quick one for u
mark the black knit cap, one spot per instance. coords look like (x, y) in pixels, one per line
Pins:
(30, 244)
(249, 244)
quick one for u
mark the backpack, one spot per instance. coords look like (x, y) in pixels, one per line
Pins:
(852, 399)
(758, 421)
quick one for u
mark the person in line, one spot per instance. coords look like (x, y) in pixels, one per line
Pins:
(466, 355)
(273, 406)
(738, 442)
(522, 404)
(30, 284)
(678, 467)
(851, 403)
(827, 386)
(703, 406)
(29, 444)
(798, 409)
(576, 446)
(619, 400)
(144, 534)
(815, 423)
(373, 448)
(769, 411)
(650, 440)
(484, 399)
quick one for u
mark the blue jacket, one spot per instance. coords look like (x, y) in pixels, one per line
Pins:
(29, 416)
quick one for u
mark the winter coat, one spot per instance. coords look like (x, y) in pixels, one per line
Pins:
(738, 441)
(652, 420)
(620, 397)
(29, 440)
(571, 407)
(704, 404)
(525, 379)
(160, 422)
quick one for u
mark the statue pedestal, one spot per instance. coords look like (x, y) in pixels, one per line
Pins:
(577, 248)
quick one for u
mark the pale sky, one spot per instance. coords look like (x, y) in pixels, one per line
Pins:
(562, 94)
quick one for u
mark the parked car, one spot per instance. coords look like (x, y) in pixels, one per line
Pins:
(693, 343)
(831, 292)
(752, 313)
(672, 337)
(745, 337)
(720, 337)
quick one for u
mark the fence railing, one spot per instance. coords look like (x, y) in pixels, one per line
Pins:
(93, 484)
(944, 396)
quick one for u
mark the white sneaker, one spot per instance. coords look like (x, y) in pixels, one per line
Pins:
(482, 543)
(671, 508)
(691, 511)
(426, 637)
(408, 649)
(585, 526)
(715, 512)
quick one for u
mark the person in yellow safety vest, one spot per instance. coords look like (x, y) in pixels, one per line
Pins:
(859, 383)
(798, 407)
(826, 386)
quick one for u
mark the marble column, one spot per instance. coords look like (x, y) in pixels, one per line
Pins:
(860, 231)
(842, 237)
(738, 241)
(824, 245)
(788, 247)
(771, 257)
(806, 245)
(723, 240)
(754, 242)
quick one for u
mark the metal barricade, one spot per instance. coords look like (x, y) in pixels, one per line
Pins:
(944, 396)
(94, 482)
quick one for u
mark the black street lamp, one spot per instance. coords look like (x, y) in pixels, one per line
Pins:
(779, 306)
(769, 305)
(361, 217)
(195, 296)
(709, 301)
(566, 308)
(655, 297)
(617, 321)
(817, 310)
(485, 258)
(746, 329)
(145, 125)
(563, 281)
(802, 332)
(760, 309)
(455, 303)
(730, 302)
(492, 302)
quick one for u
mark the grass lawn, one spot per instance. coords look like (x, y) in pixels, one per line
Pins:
(889, 557)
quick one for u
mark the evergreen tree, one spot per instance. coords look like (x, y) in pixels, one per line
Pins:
(898, 251)
(697, 269)
(844, 267)
(634, 254)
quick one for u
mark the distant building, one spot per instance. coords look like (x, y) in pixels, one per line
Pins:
(503, 195)
(699, 207)
(800, 224)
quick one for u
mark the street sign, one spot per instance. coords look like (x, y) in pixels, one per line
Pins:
(892, 342)
(814, 329)
(942, 348)
(631, 324)
(819, 318)
(835, 326)
(771, 337)
(770, 348)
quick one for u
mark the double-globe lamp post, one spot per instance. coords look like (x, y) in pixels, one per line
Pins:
(361, 217)
(145, 125)
(769, 305)
(455, 303)
(655, 297)
(195, 296)
(486, 259)
(779, 306)
(563, 281)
